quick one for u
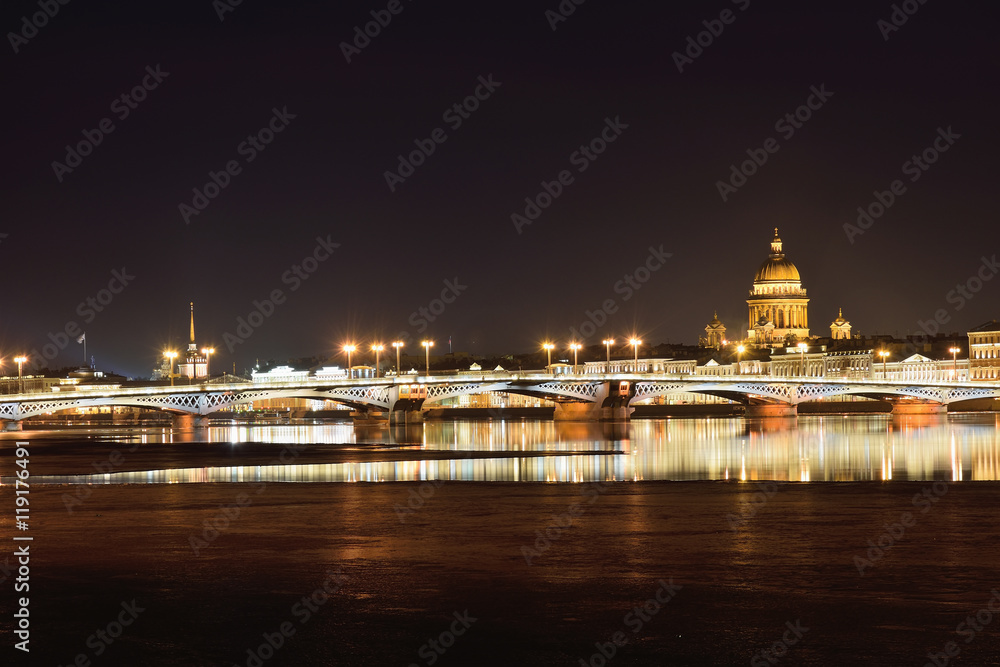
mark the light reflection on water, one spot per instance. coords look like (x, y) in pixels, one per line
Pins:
(828, 448)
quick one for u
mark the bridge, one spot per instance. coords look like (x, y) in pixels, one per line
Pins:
(590, 396)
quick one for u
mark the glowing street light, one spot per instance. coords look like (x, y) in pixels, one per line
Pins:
(398, 345)
(171, 355)
(427, 345)
(608, 342)
(349, 349)
(208, 352)
(739, 353)
(548, 347)
(576, 348)
(954, 358)
(635, 343)
(376, 348)
(20, 383)
(884, 354)
(802, 359)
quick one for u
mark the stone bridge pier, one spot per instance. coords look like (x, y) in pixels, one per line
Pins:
(12, 425)
(610, 403)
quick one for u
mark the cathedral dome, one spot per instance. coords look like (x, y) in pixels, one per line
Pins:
(776, 268)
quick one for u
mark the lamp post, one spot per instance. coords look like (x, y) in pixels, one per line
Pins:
(376, 348)
(802, 358)
(884, 354)
(576, 348)
(548, 350)
(427, 344)
(20, 382)
(635, 343)
(608, 342)
(954, 358)
(398, 345)
(171, 355)
(739, 354)
(349, 348)
(208, 352)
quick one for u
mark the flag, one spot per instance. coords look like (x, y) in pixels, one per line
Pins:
(82, 337)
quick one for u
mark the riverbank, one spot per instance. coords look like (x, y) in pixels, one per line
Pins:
(403, 559)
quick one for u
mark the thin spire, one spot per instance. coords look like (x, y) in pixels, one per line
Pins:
(192, 322)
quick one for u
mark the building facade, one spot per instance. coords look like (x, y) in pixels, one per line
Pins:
(984, 351)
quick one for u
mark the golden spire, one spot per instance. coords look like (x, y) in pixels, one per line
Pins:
(776, 246)
(192, 322)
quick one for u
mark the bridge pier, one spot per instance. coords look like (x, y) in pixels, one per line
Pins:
(187, 421)
(577, 412)
(12, 425)
(406, 417)
(772, 410)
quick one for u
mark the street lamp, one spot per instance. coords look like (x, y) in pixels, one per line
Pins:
(398, 345)
(20, 383)
(576, 348)
(427, 344)
(376, 348)
(884, 354)
(802, 359)
(208, 352)
(548, 347)
(349, 348)
(171, 355)
(954, 358)
(635, 343)
(608, 342)
(739, 354)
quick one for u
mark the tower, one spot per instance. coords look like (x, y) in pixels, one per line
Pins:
(778, 306)
(840, 329)
(195, 364)
(715, 333)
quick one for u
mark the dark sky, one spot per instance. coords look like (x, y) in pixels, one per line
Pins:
(323, 175)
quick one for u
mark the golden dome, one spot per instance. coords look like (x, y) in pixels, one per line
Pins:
(776, 268)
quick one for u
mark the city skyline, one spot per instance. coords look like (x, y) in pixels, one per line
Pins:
(519, 187)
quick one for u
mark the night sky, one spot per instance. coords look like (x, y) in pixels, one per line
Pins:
(319, 187)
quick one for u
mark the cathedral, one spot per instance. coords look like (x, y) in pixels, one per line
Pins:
(778, 304)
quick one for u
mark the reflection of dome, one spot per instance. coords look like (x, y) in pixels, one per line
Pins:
(776, 267)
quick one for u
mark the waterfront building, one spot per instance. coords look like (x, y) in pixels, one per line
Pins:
(984, 351)
(195, 363)
(778, 306)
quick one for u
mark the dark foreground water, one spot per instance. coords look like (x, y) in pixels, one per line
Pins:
(605, 572)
